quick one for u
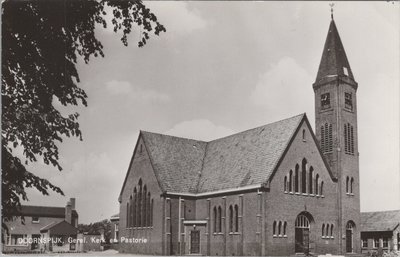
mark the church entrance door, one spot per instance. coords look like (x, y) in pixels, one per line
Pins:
(302, 234)
(195, 241)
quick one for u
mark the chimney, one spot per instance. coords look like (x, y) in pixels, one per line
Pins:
(72, 201)
(68, 213)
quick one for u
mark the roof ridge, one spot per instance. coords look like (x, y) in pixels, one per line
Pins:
(203, 141)
(258, 127)
(185, 138)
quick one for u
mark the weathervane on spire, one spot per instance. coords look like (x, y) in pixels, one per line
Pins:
(331, 5)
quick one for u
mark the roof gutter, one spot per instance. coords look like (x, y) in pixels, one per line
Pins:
(218, 192)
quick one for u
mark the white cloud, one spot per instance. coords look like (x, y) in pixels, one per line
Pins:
(125, 88)
(176, 16)
(285, 89)
(200, 129)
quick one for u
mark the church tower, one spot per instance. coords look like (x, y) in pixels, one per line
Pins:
(335, 92)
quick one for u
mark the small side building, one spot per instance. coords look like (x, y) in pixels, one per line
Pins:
(380, 231)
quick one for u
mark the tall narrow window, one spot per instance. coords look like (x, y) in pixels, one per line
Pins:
(134, 212)
(330, 138)
(140, 224)
(215, 219)
(148, 210)
(279, 228)
(131, 210)
(327, 230)
(348, 139)
(296, 179)
(331, 230)
(285, 184)
(347, 184)
(219, 219)
(304, 135)
(144, 209)
(284, 228)
(290, 181)
(236, 218)
(274, 228)
(326, 138)
(127, 214)
(323, 231)
(304, 176)
(321, 191)
(230, 218)
(351, 185)
(316, 184)
(151, 212)
(310, 180)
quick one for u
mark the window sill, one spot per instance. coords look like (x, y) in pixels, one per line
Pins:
(305, 194)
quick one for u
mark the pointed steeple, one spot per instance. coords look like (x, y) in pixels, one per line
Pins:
(334, 61)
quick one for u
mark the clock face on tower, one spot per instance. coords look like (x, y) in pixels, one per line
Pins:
(325, 100)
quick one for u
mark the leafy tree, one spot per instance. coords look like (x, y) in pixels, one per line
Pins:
(97, 228)
(42, 40)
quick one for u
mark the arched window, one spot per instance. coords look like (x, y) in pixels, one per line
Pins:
(236, 218)
(279, 228)
(285, 184)
(323, 230)
(127, 214)
(131, 210)
(139, 218)
(230, 218)
(151, 212)
(215, 219)
(290, 181)
(304, 176)
(310, 179)
(219, 219)
(296, 179)
(284, 228)
(327, 230)
(274, 228)
(351, 185)
(144, 209)
(321, 191)
(304, 135)
(332, 230)
(316, 184)
(302, 222)
(347, 184)
(148, 210)
(134, 212)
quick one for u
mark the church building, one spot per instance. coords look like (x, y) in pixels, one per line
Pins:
(278, 189)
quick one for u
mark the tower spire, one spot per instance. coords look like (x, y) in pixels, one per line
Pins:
(334, 62)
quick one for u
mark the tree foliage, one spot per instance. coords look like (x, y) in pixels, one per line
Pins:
(97, 228)
(42, 41)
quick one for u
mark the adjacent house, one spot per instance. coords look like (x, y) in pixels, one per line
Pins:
(42, 229)
(380, 231)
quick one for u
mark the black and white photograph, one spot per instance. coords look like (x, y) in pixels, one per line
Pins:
(205, 128)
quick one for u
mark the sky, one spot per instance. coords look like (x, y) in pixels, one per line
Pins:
(221, 68)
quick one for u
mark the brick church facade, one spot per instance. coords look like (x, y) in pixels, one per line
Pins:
(278, 189)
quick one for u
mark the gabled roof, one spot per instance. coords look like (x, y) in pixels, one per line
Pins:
(334, 60)
(380, 221)
(246, 158)
(177, 161)
(60, 228)
(242, 160)
(44, 211)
